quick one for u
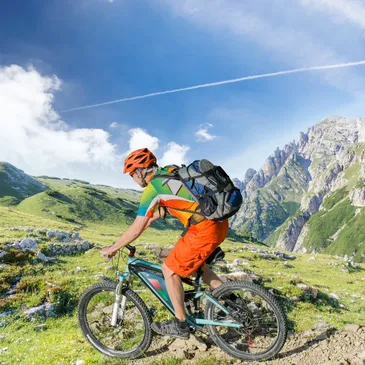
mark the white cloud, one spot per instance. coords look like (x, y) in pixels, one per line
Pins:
(203, 135)
(175, 154)
(350, 10)
(34, 138)
(114, 125)
(141, 139)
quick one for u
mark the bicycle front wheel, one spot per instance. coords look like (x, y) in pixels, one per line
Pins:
(132, 335)
(263, 322)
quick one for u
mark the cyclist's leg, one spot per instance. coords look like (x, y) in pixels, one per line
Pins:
(211, 278)
(176, 292)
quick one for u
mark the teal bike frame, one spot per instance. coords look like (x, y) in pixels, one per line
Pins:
(152, 277)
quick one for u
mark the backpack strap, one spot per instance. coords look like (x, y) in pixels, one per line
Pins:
(185, 210)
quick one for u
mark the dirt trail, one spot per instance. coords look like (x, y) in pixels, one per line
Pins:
(323, 346)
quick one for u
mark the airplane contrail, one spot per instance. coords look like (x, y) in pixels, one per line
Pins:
(217, 83)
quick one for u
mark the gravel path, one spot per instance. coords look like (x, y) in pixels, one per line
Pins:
(323, 346)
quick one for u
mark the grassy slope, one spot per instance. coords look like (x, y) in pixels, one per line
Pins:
(84, 204)
(62, 341)
(338, 213)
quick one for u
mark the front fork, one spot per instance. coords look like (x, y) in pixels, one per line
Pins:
(120, 300)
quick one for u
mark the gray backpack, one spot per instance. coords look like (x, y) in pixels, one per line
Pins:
(210, 186)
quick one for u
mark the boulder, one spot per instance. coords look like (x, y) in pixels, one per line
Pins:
(40, 327)
(351, 327)
(334, 296)
(46, 310)
(76, 236)
(27, 244)
(51, 234)
(43, 257)
(239, 275)
(308, 289)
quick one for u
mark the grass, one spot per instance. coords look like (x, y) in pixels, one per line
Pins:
(324, 224)
(101, 214)
(62, 340)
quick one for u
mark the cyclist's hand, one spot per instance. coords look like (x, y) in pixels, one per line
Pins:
(108, 252)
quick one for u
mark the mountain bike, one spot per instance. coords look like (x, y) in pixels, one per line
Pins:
(243, 319)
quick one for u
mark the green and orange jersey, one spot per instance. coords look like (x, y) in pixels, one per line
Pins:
(169, 193)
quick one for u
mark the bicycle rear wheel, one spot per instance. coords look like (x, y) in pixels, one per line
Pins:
(132, 335)
(263, 322)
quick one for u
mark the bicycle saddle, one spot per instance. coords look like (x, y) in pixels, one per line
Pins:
(216, 255)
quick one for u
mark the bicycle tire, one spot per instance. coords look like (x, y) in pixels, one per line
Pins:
(88, 334)
(227, 288)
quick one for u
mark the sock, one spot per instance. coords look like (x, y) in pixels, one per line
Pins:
(182, 324)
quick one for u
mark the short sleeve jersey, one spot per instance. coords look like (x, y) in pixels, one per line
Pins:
(167, 193)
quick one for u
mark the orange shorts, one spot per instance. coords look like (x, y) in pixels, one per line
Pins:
(195, 247)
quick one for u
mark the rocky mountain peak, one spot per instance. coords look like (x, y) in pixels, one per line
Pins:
(297, 181)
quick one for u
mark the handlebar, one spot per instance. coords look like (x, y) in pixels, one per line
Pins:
(132, 250)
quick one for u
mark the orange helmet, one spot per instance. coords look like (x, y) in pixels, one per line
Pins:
(141, 158)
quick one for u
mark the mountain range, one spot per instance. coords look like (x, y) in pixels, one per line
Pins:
(310, 196)
(307, 197)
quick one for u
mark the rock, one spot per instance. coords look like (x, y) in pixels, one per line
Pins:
(237, 262)
(334, 296)
(2, 338)
(43, 257)
(321, 325)
(40, 327)
(198, 343)
(322, 336)
(8, 313)
(46, 310)
(76, 236)
(80, 362)
(99, 276)
(78, 269)
(4, 349)
(3, 323)
(181, 346)
(238, 275)
(308, 289)
(85, 245)
(2, 254)
(51, 234)
(28, 244)
(351, 327)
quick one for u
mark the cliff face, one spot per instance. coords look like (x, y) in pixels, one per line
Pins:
(310, 194)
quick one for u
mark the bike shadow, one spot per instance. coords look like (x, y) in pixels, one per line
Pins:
(161, 349)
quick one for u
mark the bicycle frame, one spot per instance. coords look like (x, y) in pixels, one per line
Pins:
(152, 277)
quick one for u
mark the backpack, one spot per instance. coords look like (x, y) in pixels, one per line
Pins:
(210, 187)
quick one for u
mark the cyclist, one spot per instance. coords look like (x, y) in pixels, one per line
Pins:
(202, 237)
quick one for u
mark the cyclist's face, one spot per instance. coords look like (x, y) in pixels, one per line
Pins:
(137, 178)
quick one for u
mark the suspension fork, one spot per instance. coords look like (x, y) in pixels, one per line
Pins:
(120, 299)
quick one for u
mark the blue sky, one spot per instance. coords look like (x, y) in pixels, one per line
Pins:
(57, 55)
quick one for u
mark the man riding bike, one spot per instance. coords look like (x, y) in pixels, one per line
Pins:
(202, 237)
